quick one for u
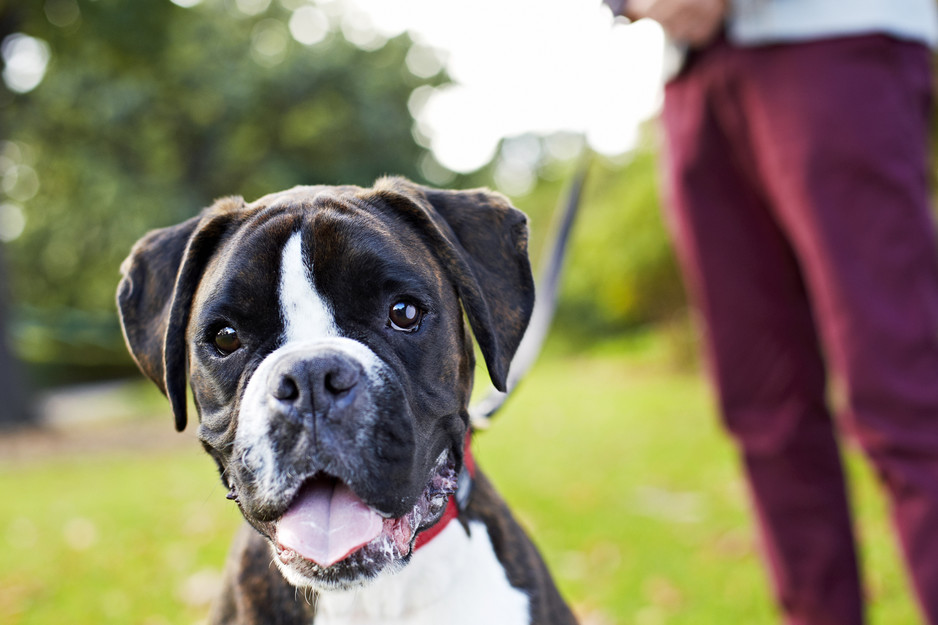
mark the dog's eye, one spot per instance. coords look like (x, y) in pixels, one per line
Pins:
(405, 316)
(226, 340)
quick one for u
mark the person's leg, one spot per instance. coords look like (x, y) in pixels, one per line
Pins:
(841, 128)
(762, 350)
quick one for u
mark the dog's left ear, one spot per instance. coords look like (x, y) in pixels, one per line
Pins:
(482, 241)
(155, 294)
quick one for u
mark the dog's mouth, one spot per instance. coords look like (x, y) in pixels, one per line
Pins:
(330, 537)
(326, 522)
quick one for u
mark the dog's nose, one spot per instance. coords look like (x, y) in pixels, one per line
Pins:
(316, 384)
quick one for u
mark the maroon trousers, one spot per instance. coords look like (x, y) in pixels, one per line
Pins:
(799, 204)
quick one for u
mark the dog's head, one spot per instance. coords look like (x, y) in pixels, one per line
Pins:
(322, 333)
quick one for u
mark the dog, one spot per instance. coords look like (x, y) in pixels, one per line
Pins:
(323, 332)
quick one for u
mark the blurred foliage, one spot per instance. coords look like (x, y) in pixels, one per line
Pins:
(620, 271)
(148, 111)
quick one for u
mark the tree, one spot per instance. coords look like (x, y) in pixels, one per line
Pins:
(148, 111)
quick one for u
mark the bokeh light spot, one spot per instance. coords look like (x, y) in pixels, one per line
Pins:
(309, 25)
(359, 30)
(62, 13)
(269, 42)
(434, 172)
(12, 222)
(80, 534)
(252, 7)
(424, 61)
(25, 60)
(20, 182)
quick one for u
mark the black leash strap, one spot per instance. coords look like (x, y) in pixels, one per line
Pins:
(545, 304)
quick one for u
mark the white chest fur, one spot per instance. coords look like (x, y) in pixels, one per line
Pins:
(454, 579)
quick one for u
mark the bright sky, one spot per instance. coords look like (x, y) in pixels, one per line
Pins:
(522, 66)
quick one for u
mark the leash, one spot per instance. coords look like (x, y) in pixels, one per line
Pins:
(545, 304)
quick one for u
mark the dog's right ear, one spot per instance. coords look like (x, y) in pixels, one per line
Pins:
(155, 295)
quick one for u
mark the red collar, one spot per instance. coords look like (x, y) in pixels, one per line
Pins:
(466, 476)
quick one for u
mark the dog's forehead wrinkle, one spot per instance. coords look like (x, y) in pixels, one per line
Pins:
(232, 274)
(370, 252)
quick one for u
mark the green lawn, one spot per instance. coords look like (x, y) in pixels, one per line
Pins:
(612, 458)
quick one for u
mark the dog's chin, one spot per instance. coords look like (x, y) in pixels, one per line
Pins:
(388, 552)
(355, 571)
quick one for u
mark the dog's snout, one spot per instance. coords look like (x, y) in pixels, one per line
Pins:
(315, 384)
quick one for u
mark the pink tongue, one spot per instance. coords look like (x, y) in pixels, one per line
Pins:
(327, 522)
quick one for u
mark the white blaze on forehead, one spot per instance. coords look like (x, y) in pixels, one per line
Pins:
(306, 315)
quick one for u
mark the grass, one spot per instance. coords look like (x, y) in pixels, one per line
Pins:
(612, 458)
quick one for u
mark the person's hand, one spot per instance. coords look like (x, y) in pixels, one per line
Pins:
(693, 22)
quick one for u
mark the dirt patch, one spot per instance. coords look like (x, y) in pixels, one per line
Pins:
(63, 442)
(90, 420)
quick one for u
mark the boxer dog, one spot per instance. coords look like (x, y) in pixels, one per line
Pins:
(323, 334)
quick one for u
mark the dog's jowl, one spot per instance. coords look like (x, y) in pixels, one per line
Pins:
(322, 332)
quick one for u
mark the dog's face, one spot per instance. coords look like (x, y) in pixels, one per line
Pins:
(323, 336)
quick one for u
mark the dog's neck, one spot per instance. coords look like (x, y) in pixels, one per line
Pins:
(453, 577)
(456, 578)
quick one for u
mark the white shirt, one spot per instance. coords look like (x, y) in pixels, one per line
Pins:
(755, 22)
